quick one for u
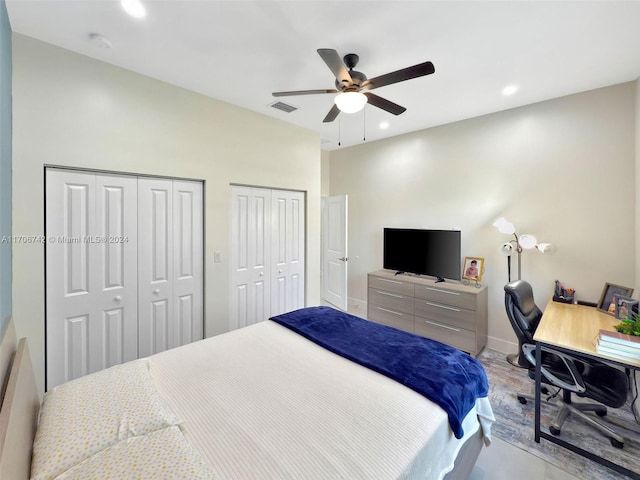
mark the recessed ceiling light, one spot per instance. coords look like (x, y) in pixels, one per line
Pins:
(509, 90)
(384, 125)
(134, 8)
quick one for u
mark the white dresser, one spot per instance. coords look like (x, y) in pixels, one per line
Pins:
(449, 312)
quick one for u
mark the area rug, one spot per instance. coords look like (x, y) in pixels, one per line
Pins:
(514, 424)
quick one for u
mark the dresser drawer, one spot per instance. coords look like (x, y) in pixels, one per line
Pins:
(392, 285)
(392, 301)
(399, 320)
(459, 338)
(447, 297)
(445, 314)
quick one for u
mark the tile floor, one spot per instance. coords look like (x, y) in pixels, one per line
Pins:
(503, 461)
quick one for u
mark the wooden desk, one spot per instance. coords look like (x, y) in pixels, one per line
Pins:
(574, 329)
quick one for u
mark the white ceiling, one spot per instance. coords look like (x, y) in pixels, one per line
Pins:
(242, 51)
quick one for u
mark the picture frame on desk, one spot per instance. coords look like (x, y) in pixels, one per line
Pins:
(606, 302)
(625, 306)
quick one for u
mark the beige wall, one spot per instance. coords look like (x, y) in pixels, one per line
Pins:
(71, 110)
(325, 159)
(637, 84)
(563, 170)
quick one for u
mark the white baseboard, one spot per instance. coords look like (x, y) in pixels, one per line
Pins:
(501, 346)
(357, 307)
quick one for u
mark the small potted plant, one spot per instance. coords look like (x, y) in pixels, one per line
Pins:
(629, 326)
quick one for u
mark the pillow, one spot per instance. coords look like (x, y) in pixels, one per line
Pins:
(86, 415)
(163, 454)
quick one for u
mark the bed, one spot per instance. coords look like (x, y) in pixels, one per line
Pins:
(265, 401)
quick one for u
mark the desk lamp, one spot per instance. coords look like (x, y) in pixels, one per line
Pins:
(517, 245)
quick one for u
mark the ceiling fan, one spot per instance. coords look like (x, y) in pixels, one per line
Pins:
(354, 87)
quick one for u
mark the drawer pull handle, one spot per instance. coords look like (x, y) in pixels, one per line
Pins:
(442, 291)
(390, 311)
(389, 294)
(442, 326)
(443, 306)
(390, 281)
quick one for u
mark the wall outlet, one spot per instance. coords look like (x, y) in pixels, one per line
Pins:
(217, 257)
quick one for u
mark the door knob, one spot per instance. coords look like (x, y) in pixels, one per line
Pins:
(261, 274)
(156, 291)
(117, 298)
(279, 271)
(343, 259)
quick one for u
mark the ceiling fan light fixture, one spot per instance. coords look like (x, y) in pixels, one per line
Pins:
(350, 102)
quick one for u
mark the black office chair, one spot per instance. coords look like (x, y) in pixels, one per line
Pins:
(571, 373)
(524, 316)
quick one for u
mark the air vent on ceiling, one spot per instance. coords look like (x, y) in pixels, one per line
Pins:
(285, 107)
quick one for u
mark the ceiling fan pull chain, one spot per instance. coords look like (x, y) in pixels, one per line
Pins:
(339, 125)
(364, 124)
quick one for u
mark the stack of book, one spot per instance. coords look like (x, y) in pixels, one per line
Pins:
(616, 344)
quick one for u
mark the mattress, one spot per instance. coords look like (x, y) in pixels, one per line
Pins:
(264, 402)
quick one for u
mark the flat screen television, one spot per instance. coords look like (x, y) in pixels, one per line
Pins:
(425, 252)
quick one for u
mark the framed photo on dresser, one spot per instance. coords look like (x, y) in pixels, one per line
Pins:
(473, 268)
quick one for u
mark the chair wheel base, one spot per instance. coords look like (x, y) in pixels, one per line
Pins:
(522, 400)
(601, 413)
(514, 359)
(554, 431)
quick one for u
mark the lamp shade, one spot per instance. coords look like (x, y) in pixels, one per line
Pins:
(504, 226)
(527, 241)
(350, 102)
(506, 249)
(544, 247)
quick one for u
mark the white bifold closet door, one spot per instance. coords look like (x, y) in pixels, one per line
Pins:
(267, 254)
(169, 264)
(96, 262)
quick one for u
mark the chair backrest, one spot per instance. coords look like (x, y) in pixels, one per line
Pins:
(522, 311)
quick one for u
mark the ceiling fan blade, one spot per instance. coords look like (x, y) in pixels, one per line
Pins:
(335, 64)
(331, 116)
(384, 104)
(408, 73)
(302, 92)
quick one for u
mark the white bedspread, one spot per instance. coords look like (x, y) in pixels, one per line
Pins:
(262, 402)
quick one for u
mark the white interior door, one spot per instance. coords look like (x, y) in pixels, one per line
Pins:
(170, 256)
(250, 253)
(188, 263)
(267, 254)
(91, 275)
(287, 251)
(155, 265)
(335, 272)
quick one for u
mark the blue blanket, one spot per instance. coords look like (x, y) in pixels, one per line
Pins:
(443, 374)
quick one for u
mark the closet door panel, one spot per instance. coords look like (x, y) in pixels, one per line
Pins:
(155, 264)
(91, 273)
(240, 271)
(288, 243)
(250, 252)
(259, 254)
(116, 244)
(71, 278)
(188, 263)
